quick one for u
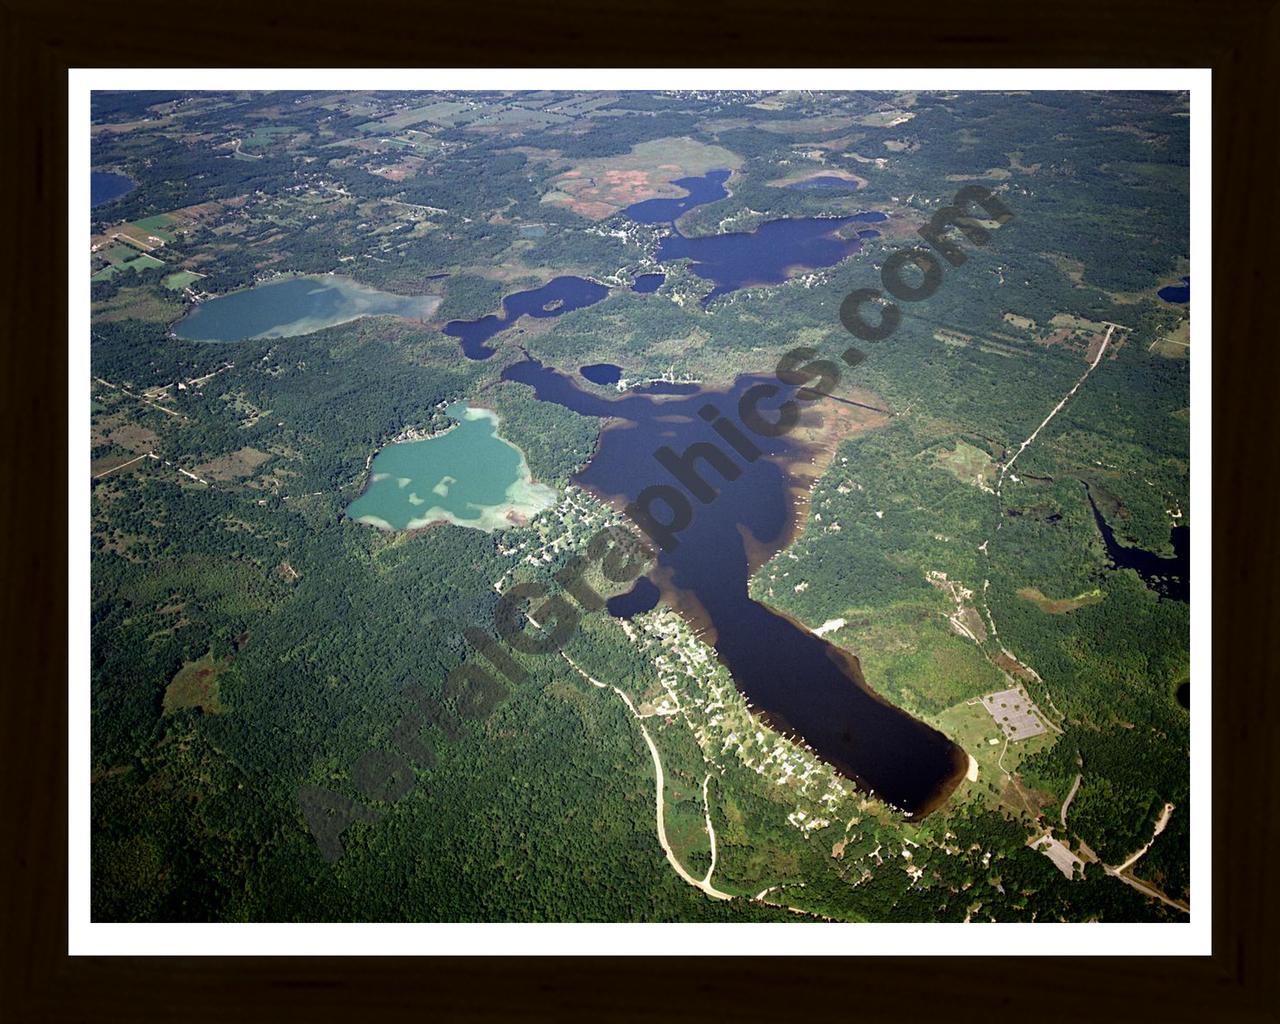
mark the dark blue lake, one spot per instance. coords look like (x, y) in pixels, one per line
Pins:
(642, 597)
(601, 373)
(765, 255)
(552, 299)
(105, 186)
(705, 189)
(798, 681)
(646, 283)
(1176, 292)
(1168, 577)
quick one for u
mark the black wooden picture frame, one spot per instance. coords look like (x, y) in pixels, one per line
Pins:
(1239, 40)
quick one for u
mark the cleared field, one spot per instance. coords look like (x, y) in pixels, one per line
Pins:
(1077, 333)
(266, 135)
(237, 464)
(1072, 269)
(1176, 344)
(117, 253)
(822, 172)
(157, 227)
(405, 168)
(970, 727)
(968, 464)
(885, 118)
(1077, 323)
(1024, 323)
(403, 119)
(518, 117)
(996, 349)
(577, 107)
(196, 686)
(915, 658)
(447, 113)
(104, 467)
(803, 126)
(1016, 164)
(600, 187)
(139, 304)
(142, 262)
(957, 339)
(123, 432)
(201, 212)
(992, 174)
(1062, 605)
(182, 279)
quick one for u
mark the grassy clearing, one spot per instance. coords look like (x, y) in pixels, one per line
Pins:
(1077, 323)
(139, 304)
(446, 113)
(518, 117)
(1061, 606)
(820, 172)
(910, 654)
(957, 339)
(118, 253)
(968, 464)
(236, 464)
(196, 686)
(1072, 269)
(576, 107)
(1024, 323)
(801, 127)
(992, 174)
(1175, 344)
(154, 227)
(140, 261)
(266, 135)
(973, 730)
(182, 279)
(885, 118)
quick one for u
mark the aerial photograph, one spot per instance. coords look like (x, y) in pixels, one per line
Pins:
(639, 506)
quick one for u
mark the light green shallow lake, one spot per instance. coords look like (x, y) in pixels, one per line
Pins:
(469, 476)
(293, 306)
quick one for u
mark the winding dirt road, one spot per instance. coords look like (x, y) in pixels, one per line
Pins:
(660, 785)
(1070, 796)
(1145, 887)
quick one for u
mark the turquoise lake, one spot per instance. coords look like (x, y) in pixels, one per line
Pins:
(293, 306)
(469, 476)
